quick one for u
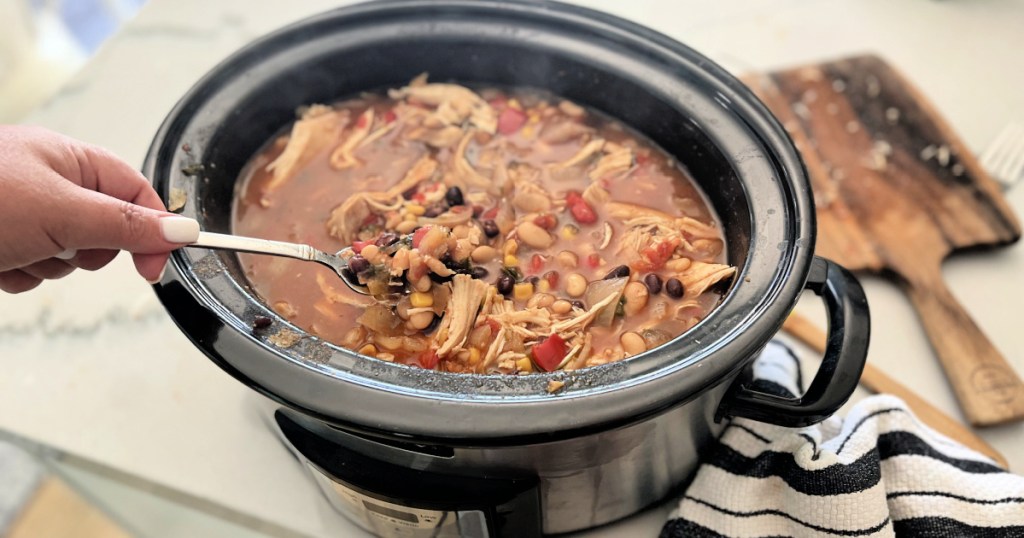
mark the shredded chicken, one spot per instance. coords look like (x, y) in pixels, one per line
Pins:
(700, 276)
(342, 157)
(455, 104)
(467, 295)
(582, 155)
(318, 128)
(612, 164)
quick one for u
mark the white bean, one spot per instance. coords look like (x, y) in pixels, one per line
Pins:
(575, 284)
(483, 254)
(636, 295)
(632, 343)
(534, 235)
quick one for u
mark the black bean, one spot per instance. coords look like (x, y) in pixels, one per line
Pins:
(578, 304)
(357, 264)
(479, 272)
(261, 322)
(386, 239)
(674, 288)
(454, 196)
(505, 284)
(433, 325)
(534, 280)
(434, 210)
(491, 228)
(409, 193)
(618, 272)
(653, 283)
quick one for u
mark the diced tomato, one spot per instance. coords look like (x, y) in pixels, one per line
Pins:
(511, 120)
(546, 221)
(417, 236)
(548, 354)
(428, 359)
(419, 197)
(572, 197)
(642, 158)
(390, 116)
(357, 246)
(494, 325)
(499, 102)
(552, 278)
(655, 257)
(594, 260)
(536, 263)
(583, 213)
(490, 213)
(477, 210)
(361, 122)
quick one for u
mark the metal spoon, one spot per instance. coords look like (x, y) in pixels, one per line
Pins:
(280, 248)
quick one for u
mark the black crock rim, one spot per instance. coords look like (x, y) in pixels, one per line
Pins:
(517, 409)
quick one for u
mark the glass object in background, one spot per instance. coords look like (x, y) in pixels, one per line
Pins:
(46, 41)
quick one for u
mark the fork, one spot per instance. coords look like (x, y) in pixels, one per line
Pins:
(1004, 158)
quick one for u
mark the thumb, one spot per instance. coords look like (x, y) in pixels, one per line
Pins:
(99, 221)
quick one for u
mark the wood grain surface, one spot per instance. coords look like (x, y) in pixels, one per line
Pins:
(896, 193)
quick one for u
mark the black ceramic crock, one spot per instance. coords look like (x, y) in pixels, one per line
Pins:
(704, 117)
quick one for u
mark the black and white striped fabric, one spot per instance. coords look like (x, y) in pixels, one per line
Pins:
(879, 472)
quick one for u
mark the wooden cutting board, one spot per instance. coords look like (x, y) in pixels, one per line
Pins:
(896, 192)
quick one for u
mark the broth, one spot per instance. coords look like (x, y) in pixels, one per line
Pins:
(532, 234)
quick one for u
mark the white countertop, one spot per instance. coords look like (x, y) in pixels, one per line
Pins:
(94, 368)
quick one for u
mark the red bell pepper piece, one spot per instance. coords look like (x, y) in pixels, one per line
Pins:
(428, 359)
(417, 236)
(548, 354)
(510, 120)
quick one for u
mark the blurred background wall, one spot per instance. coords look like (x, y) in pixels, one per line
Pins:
(45, 41)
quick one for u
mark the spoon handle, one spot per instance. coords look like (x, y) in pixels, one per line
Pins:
(257, 246)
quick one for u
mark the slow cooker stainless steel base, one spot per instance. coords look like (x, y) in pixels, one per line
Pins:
(406, 489)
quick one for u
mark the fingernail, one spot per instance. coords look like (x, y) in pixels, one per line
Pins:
(179, 229)
(159, 278)
(67, 254)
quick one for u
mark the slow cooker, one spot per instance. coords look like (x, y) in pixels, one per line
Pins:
(410, 452)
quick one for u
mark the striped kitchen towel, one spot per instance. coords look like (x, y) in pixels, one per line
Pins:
(879, 472)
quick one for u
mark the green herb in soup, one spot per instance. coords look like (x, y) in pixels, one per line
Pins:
(507, 232)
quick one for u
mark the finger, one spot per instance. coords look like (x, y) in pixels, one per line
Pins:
(93, 259)
(17, 281)
(49, 269)
(104, 172)
(106, 222)
(151, 266)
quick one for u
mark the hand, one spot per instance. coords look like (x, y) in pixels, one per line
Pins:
(65, 204)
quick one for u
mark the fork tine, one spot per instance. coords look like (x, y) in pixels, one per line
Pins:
(1015, 165)
(1004, 158)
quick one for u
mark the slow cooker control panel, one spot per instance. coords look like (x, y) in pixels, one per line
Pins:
(392, 500)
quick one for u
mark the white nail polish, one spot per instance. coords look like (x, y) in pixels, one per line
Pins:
(67, 254)
(179, 229)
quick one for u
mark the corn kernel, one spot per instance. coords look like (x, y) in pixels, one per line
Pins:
(369, 350)
(421, 300)
(474, 356)
(511, 261)
(522, 291)
(524, 365)
(416, 209)
(568, 232)
(543, 286)
(409, 217)
(514, 103)
(527, 131)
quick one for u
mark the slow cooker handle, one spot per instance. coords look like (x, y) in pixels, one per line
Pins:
(845, 354)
